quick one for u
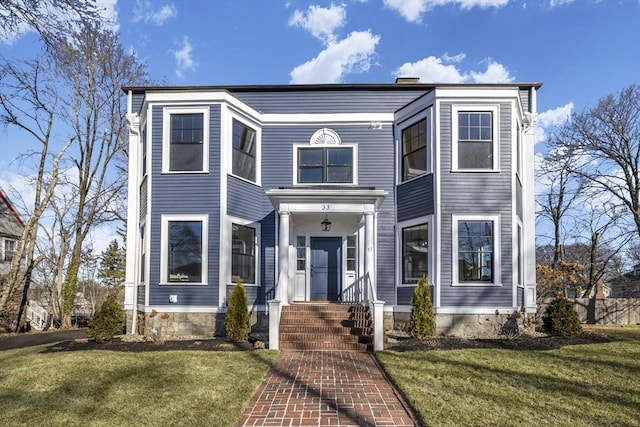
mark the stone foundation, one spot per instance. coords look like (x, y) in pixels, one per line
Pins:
(459, 325)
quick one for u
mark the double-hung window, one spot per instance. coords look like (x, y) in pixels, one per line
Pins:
(325, 165)
(415, 253)
(244, 151)
(414, 150)
(476, 255)
(185, 139)
(9, 249)
(475, 138)
(243, 254)
(184, 249)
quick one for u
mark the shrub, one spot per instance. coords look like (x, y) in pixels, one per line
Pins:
(561, 317)
(236, 322)
(422, 322)
(107, 322)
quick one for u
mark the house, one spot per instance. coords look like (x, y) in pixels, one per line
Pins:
(626, 285)
(336, 192)
(11, 226)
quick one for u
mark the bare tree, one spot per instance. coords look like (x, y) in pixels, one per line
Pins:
(28, 102)
(606, 139)
(95, 67)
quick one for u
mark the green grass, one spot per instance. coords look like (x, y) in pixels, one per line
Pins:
(586, 385)
(106, 388)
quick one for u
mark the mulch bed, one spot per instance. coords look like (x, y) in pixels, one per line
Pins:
(398, 344)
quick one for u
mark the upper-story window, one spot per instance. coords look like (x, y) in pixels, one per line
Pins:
(9, 249)
(325, 160)
(244, 151)
(475, 140)
(185, 140)
(414, 150)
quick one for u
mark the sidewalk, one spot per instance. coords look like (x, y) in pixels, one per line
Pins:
(323, 388)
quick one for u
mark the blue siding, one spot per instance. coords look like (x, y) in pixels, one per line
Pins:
(137, 100)
(415, 198)
(254, 294)
(477, 194)
(268, 255)
(185, 194)
(143, 198)
(405, 293)
(342, 101)
(243, 199)
(519, 206)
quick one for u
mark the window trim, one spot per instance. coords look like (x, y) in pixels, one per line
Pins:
(429, 221)
(245, 223)
(167, 112)
(258, 158)
(475, 108)
(403, 155)
(354, 164)
(4, 248)
(400, 127)
(455, 220)
(164, 252)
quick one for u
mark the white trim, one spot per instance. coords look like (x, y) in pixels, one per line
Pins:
(166, 136)
(496, 262)
(428, 220)
(364, 119)
(495, 123)
(517, 269)
(437, 260)
(354, 164)
(256, 248)
(164, 243)
(251, 124)
(407, 122)
(475, 310)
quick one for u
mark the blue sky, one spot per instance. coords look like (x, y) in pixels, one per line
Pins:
(581, 50)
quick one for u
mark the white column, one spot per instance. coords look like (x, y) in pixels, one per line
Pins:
(369, 256)
(133, 234)
(283, 259)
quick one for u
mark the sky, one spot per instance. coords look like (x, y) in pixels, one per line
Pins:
(580, 50)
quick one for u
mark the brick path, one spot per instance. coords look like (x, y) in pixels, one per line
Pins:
(325, 388)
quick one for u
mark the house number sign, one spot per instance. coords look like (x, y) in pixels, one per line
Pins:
(326, 207)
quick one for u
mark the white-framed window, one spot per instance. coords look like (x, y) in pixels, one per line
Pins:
(185, 139)
(476, 250)
(352, 250)
(9, 249)
(301, 253)
(413, 249)
(414, 150)
(183, 249)
(244, 248)
(475, 135)
(328, 164)
(245, 151)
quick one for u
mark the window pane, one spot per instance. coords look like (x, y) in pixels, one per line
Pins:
(414, 150)
(339, 174)
(415, 253)
(415, 164)
(475, 251)
(310, 157)
(330, 165)
(308, 175)
(243, 265)
(475, 155)
(186, 128)
(339, 156)
(244, 151)
(185, 251)
(185, 157)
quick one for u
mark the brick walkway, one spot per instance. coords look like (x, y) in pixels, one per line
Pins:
(325, 388)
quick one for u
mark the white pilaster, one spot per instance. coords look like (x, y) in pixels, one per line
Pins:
(369, 256)
(283, 258)
(133, 237)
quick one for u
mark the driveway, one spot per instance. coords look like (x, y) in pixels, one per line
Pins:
(39, 338)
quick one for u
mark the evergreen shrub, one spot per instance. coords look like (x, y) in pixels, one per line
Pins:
(561, 317)
(422, 322)
(107, 322)
(236, 322)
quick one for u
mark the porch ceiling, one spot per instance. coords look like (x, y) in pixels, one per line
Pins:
(324, 195)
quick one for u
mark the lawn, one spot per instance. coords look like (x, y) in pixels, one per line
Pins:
(108, 388)
(586, 385)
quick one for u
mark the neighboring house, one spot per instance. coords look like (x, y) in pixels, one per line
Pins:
(11, 226)
(337, 192)
(626, 285)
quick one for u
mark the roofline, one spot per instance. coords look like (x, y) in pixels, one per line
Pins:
(326, 87)
(12, 209)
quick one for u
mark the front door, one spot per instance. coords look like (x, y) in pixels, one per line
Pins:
(325, 268)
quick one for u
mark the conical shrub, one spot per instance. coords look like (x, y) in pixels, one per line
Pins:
(236, 322)
(422, 322)
(107, 322)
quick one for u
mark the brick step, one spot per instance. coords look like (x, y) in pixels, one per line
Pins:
(323, 329)
(324, 345)
(329, 321)
(324, 308)
(311, 337)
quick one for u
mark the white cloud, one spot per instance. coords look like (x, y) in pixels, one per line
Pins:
(558, 3)
(183, 56)
(320, 22)
(412, 10)
(443, 70)
(144, 11)
(351, 55)
(549, 119)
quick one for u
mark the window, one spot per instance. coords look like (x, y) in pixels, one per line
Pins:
(351, 253)
(183, 249)
(244, 151)
(243, 254)
(475, 252)
(325, 165)
(475, 146)
(301, 253)
(9, 249)
(415, 253)
(414, 150)
(185, 140)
